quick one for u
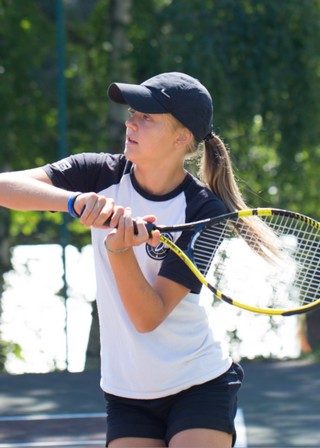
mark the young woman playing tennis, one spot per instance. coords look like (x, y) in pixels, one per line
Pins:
(166, 378)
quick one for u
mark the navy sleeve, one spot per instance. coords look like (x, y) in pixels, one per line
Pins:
(205, 205)
(87, 171)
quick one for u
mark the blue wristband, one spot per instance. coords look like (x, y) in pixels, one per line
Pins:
(71, 202)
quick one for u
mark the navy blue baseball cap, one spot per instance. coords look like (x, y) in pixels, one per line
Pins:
(176, 93)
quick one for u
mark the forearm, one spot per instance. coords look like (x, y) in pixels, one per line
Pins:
(24, 193)
(146, 304)
(142, 302)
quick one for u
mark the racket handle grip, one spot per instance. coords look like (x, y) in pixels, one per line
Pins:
(149, 226)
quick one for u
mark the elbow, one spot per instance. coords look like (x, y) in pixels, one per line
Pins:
(147, 326)
(144, 330)
(148, 319)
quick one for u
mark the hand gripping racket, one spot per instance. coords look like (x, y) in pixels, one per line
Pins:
(262, 260)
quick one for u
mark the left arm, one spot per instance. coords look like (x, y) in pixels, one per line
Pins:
(147, 305)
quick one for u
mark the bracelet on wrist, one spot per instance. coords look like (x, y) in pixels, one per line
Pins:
(71, 201)
(116, 251)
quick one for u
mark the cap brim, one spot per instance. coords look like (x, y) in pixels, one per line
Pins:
(138, 97)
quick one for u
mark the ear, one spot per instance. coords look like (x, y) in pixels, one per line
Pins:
(184, 137)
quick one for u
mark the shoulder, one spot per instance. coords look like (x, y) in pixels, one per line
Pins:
(202, 202)
(91, 160)
(88, 171)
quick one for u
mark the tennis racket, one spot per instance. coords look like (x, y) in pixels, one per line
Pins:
(262, 260)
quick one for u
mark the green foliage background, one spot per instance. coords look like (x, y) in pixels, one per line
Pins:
(259, 59)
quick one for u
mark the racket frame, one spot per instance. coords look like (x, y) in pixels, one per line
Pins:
(199, 225)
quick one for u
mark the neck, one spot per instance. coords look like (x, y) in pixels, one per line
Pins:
(159, 181)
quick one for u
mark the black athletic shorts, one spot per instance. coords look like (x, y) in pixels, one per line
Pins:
(211, 405)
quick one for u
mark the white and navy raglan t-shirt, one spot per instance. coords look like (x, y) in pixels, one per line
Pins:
(183, 350)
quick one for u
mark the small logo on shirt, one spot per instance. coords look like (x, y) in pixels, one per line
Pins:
(159, 252)
(62, 165)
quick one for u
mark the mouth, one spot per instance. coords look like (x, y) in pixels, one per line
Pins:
(131, 140)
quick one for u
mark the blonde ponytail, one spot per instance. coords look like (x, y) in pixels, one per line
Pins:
(216, 172)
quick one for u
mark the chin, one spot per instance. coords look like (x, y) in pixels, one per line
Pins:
(129, 154)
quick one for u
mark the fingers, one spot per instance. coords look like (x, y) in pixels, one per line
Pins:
(122, 236)
(94, 209)
(135, 231)
(127, 232)
(141, 230)
(155, 238)
(149, 218)
(118, 212)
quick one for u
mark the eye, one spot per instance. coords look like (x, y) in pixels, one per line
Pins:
(146, 117)
(131, 112)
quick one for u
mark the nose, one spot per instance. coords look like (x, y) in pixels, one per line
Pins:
(131, 123)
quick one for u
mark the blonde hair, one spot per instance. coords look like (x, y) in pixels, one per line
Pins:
(216, 171)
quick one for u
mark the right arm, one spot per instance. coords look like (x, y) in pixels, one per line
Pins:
(33, 190)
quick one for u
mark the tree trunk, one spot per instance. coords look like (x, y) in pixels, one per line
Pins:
(120, 13)
(5, 266)
(313, 330)
(93, 349)
(313, 324)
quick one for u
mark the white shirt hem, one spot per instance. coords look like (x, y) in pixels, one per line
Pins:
(146, 395)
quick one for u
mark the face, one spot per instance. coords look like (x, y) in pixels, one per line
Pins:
(149, 137)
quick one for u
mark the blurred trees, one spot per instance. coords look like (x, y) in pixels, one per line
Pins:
(259, 59)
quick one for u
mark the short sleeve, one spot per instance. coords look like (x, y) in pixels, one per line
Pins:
(86, 172)
(173, 267)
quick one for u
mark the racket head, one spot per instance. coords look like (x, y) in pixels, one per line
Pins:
(262, 260)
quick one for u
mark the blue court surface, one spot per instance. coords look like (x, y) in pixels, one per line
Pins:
(279, 407)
